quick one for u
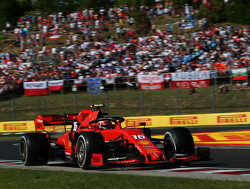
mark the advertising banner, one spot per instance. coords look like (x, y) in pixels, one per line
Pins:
(239, 74)
(17, 127)
(151, 82)
(94, 85)
(55, 85)
(35, 88)
(185, 80)
(219, 119)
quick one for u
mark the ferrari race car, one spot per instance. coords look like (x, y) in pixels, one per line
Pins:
(97, 141)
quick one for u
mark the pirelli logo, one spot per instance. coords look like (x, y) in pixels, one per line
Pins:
(234, 118)
(14, 126)
(136, 122)
(187, 120)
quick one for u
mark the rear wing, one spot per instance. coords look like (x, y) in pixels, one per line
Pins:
(54, 122)
(59, 122)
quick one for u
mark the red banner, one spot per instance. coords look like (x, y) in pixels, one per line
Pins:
(185, 80)
(35, 88)
(151, 82)
(55, 85)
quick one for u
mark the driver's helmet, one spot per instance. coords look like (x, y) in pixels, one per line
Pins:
(106, 124)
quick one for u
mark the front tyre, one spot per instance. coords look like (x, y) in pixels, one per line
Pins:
(178, 142)
(87, 144)
(34, 149)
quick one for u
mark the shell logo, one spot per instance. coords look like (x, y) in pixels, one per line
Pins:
(144, 142)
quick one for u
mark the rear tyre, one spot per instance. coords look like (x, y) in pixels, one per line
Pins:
(34, 149)
(178, 142)
(87, 144)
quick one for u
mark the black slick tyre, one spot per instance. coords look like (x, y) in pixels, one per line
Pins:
(34, 149)
(87, 144)
(178, 142)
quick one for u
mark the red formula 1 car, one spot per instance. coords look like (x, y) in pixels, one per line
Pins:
(95, 140)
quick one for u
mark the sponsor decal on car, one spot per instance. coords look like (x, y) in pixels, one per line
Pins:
(97, 160)
(151, 150)
(144, 142)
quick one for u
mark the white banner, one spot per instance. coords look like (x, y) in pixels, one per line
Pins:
(35, 88)
(150, 78)
(187, 76)
(55, 83)
(35, 85)
(151, 82)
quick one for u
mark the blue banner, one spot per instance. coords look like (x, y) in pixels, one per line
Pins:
(94, 85)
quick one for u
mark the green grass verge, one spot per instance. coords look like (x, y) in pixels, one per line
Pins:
(17, 178)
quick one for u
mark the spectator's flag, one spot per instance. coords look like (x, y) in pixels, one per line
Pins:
(78, 83)
(110, 79)
(167, 77)
(53, 37)
(186, 26)
(151, 82)
(159, 33)
(55, 85)
(35, 88)
(239, 74)
(208, 4)
(184, 80)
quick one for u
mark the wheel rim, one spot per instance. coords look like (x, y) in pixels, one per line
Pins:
(81, 151)
(169, 148)
(23, 150)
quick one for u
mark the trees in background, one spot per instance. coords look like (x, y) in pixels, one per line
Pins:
(239, 12)
(216, 12)
(10, 11)
(236, 11)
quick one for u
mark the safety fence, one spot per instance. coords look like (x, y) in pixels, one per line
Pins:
(127, 100)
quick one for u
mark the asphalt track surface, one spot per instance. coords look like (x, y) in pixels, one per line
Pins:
(228, 162)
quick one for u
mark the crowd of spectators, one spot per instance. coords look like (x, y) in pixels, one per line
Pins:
(88, 52)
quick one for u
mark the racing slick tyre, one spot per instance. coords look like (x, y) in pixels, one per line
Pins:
(87, 144)
(34, 149)
(178, 142)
